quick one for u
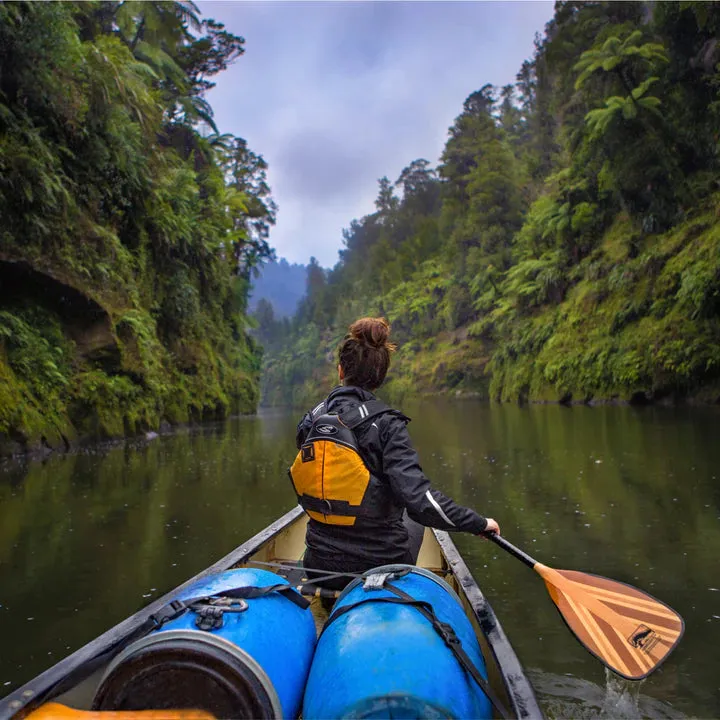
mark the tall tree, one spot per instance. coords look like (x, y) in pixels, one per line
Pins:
(247, 174)
(482, 206)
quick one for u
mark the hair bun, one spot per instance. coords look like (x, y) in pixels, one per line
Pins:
(372, 331)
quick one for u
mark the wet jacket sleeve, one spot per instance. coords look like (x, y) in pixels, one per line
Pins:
(424, 504)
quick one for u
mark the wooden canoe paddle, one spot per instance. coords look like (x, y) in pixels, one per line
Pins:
(629, 631)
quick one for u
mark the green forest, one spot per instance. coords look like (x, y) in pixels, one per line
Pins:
(129, 227)
(567, 246)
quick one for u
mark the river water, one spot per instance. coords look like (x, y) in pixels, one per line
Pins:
(630, 493)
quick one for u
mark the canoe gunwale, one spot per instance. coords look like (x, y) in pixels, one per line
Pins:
(517, 686)
(26, 698)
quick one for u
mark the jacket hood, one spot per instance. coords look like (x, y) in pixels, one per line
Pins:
(345, 395)
(352, 391)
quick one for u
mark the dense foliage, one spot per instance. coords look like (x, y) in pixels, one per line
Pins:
(567, 246)
(128, 228)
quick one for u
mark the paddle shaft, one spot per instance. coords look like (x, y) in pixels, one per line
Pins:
(509, 547)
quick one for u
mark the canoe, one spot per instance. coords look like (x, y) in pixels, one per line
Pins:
(73, 682)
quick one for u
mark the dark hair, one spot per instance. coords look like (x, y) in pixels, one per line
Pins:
(364, 353)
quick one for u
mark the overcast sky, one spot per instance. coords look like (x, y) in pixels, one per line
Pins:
(335, 95)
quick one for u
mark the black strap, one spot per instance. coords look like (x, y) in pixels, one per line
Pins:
(250, 593)
(338, 507)
(319, 410)
(445, 630)
(295, 573)
(363, 412)
(175, 608)
(447, 633)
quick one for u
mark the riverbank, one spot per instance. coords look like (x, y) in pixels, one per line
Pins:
(128, 240)
(65, 383)
(637, 321)
(13, 452)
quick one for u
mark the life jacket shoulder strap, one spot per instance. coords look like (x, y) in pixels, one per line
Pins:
(366, 411)
(318, 410)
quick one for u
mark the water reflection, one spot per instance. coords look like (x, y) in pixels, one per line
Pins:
(89, 538)
(632, 494)
(627, 493)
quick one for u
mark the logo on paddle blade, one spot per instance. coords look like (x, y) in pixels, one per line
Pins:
(644, 638)
(327, 429)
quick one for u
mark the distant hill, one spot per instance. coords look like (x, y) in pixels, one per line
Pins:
(282, 284)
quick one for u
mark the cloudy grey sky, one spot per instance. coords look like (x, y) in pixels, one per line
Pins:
(335, 95)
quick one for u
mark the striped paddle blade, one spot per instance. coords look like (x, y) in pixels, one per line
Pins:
(626, 629)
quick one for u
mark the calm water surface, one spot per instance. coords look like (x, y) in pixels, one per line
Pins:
(633, 494)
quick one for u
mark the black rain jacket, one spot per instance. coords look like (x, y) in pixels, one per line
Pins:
(386, 448)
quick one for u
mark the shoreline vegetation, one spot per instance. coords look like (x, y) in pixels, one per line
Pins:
(130, 227)
(565, 249)
(567, 246)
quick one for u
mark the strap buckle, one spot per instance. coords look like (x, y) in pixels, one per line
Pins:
(169, 612)
(209, 617)
(447, 633)
(210, 613)
(376, 581)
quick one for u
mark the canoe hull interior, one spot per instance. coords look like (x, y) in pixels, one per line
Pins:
(75, 680)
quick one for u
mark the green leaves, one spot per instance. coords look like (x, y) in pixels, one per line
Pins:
(536, 281)
(599, 120)
(627, 146)
(483, 206)
(116, 79)
(106, 183)
(615, 53)
(641, 89)
(700, 289)
(37, 352)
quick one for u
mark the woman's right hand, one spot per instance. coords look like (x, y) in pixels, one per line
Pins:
(492, 527)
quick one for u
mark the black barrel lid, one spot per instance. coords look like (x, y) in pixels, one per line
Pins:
(188, 669)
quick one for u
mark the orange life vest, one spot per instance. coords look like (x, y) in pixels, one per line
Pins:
(332, 482)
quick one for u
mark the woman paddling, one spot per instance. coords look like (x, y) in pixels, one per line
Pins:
(357, 474)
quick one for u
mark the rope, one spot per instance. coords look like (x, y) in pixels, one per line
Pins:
(315, 580)
(322, 578)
